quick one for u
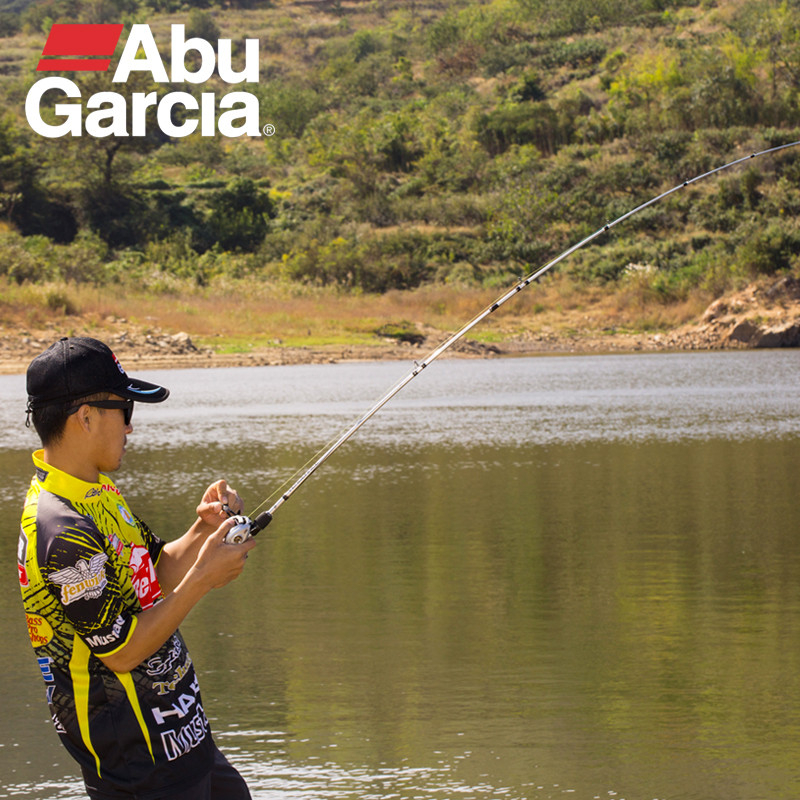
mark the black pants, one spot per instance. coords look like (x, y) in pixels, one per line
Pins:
(222, 783)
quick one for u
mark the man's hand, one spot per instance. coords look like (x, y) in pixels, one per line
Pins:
(219, 562)
(179, 555)
(210, 512)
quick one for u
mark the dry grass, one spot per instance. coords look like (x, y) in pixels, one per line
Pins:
(238, 315)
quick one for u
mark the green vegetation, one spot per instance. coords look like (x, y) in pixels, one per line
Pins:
(425, 142)
(403, 331)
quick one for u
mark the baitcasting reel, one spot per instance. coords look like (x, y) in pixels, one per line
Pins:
(245, 528)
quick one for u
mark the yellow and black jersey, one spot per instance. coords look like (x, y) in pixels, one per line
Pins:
(86, 569)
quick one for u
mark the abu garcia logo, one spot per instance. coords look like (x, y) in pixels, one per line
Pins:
(89, 47)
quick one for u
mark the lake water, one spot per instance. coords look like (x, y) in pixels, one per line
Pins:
(531, 578)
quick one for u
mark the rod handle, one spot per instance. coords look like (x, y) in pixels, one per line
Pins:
(260, 522)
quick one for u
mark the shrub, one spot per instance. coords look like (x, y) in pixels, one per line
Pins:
(20, 265)
(364, 43)
(10, 24)
(580, 53)
(769, 250)
(289, 106)
(444, 33)
(58, 300)
(118, 215)
(84, 261)
(532, 123)
(403, 331)
(377, 264)
(237, 219)
(201, 25)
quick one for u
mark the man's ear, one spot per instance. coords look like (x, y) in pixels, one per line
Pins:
(82, 418)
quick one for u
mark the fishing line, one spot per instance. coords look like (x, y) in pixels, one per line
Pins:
(291, 478)
(246, 527)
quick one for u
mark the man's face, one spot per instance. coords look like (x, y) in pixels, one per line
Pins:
(109, 436)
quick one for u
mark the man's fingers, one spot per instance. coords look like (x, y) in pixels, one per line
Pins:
(227, 496)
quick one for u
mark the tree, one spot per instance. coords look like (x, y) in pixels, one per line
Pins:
(23, 201)
(237, 219)
(98, 171)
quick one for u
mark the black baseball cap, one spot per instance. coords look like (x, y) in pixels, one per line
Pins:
(79, 366)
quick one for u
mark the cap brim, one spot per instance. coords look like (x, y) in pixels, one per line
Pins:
(142, 391)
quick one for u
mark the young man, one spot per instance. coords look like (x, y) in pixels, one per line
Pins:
(104, 596)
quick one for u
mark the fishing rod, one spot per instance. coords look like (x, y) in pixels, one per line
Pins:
(247, 527)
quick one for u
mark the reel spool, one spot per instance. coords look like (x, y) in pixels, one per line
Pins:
(241, 531)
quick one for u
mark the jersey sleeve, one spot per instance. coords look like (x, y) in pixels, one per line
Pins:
(86, 580)
(154, 544)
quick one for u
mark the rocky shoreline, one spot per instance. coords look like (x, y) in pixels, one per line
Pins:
(763, 315)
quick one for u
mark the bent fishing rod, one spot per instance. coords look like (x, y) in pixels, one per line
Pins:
(246, 527)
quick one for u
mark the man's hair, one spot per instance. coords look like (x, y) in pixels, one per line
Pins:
(50, 421)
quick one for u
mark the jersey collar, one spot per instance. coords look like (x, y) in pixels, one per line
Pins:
(65, 485)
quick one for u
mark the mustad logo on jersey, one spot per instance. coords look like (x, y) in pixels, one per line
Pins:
(88, 48)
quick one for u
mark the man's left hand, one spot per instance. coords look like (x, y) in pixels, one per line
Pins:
(218, 494)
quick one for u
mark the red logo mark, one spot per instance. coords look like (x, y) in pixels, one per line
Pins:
(143, 577)
(80, 40)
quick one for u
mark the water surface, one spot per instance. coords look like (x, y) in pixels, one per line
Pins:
(524, 578)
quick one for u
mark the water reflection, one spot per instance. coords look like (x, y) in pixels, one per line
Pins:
(458, 614)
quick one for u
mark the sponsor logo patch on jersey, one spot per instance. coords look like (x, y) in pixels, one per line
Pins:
(116, 543)
(85, 579)
(143, 576)
(160, 665)
(100, 640)
(22, 553)
(39, 630)
(126, 515)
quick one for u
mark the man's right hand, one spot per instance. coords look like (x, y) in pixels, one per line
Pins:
(218, 563)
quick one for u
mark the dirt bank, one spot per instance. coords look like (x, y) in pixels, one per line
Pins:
(765, 314)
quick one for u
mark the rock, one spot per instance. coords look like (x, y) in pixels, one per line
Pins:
(787, 287)
(717, 309)
(744, 332)
(183, 342)
(785, 335)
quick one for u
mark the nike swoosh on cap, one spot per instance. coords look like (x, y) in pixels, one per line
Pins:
(132, 388)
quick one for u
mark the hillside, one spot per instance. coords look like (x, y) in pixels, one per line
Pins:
(420, 144)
